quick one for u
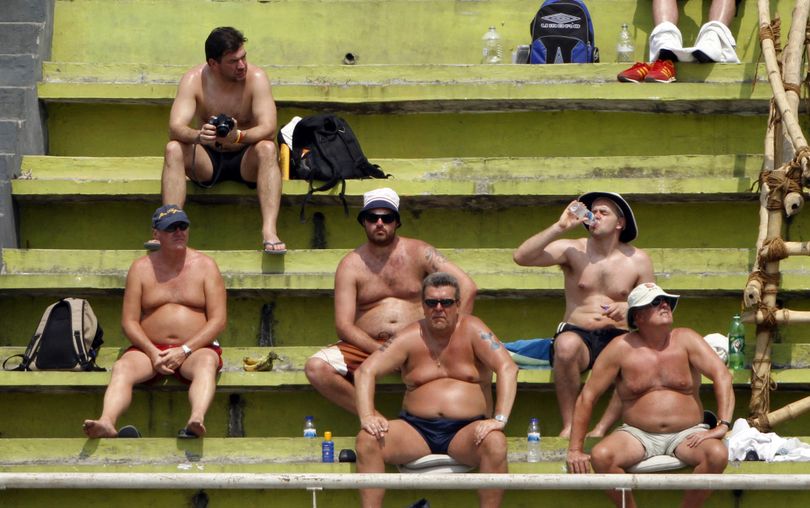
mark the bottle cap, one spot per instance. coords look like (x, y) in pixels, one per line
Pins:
(533, 420)
(308, 418)
(327, 436)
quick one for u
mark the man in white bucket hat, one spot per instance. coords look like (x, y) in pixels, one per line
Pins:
(657, 372)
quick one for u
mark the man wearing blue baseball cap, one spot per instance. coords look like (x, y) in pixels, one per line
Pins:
(599, 272)
(174, 310)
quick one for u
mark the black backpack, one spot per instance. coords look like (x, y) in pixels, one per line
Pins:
(562, 32)
(68, 338)
(326, 150)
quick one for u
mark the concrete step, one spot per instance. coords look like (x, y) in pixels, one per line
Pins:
(436, 88)
(20, 37)
(689, 177)
(21, 11)
(167, 455)
(361, 27)
(699, 270)
(306, 318)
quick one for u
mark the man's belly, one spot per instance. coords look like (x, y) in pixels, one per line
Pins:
(387, 317)
(662, 411)
(172, 323)
(447, 398)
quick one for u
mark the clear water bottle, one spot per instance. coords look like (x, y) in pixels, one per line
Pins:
(736, 344)
(625, 51)
(493, 49)
(309, 427)
(580, 210)
(533, 441)
(327, 448)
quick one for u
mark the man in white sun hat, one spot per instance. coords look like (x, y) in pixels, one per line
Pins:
(378, 290)
(599, 272)
(657, 372)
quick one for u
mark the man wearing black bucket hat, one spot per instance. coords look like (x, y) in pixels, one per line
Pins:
(599, 272)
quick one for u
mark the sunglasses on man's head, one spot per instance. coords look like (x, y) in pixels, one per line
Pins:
(182, 226)
(434, 302)
(372, 218)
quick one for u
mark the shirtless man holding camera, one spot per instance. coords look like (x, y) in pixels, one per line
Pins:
(227, 93)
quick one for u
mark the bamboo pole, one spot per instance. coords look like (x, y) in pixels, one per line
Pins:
(781, 316)
(792, 71)
(759, 404)
(789, 412)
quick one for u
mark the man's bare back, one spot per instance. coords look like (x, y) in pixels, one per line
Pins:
(658, 388)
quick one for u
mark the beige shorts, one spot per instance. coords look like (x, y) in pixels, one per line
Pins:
(660, 444)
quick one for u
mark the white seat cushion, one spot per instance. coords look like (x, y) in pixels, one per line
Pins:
(657, 463)
(434, 464)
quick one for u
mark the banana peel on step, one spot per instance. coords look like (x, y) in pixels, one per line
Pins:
(260, 364)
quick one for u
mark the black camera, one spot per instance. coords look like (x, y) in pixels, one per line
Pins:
(223, 124)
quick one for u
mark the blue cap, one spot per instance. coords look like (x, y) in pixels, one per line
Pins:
(167, 215)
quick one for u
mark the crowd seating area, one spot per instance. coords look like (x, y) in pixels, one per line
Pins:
(482, 156)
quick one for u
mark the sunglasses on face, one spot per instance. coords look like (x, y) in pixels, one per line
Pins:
(434, 302)
(182, 226)
(387, 218)
(658, 300)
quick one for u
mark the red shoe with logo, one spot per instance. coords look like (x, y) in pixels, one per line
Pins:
(661, 71)
(634, 74)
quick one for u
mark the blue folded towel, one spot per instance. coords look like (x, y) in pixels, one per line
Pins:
(530, 353)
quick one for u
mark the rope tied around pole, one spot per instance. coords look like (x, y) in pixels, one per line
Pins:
(781, 182)
(774, 249)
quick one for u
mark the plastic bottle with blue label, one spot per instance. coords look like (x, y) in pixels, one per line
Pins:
(580, 210)
(327, 448)
(309, 427)
(533, 441)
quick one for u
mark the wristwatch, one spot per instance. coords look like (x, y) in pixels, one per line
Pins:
(186, 350)
(501, 418)
(724, 422)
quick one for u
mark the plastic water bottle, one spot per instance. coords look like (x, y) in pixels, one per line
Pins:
(493, 50)
(327, 448)
(533, 441)
(309, 427)
(625, 51)
(580, 210)
(736, 344)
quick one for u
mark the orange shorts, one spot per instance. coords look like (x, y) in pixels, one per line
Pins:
(344, 357)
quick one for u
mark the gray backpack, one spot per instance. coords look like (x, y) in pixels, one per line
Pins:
(68, 338)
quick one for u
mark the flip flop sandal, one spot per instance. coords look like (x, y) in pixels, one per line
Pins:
(186, 434)
(128, 431)
(272, 250)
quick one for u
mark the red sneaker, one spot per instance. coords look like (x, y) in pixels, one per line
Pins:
(634, 74)
(662, 71)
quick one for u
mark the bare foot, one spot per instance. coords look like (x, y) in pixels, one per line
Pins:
(566, 432)
(196, 427)
(98, 428)
(596, 433)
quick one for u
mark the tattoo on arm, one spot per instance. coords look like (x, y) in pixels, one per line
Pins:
(387, 343)
(494, 343)
(434, 258)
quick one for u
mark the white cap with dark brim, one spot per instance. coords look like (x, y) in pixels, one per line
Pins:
(379, 198)
(643, 295)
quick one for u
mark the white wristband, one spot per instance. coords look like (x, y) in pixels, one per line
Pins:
(501, 418)
(186, 349)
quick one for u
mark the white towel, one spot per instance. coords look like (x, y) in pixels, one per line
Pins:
(768, 446)
(667, 36)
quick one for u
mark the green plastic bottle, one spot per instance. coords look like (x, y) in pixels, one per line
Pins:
(736, 344)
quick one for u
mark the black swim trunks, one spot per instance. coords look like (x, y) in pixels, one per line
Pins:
(595, 340)
(226, 167)
(437, 432)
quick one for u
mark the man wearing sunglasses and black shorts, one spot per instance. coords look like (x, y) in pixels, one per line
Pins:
(174, 309)
(446, 360)
(657, 370)
(599, 272)
(377, 293)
